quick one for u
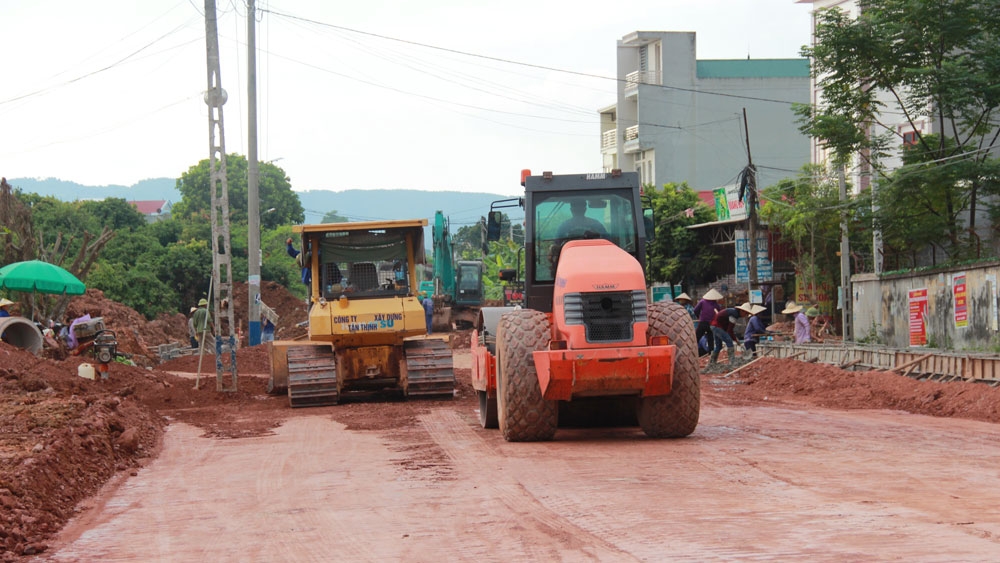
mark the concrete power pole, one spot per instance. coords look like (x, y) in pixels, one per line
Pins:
(222, 267)
(253, 177)
(845, 263)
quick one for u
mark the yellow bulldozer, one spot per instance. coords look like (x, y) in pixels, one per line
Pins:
(367, 329)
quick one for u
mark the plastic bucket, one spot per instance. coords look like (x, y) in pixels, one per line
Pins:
(86, 371)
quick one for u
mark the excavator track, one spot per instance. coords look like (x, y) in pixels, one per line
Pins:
(429, 368)
(312, 376)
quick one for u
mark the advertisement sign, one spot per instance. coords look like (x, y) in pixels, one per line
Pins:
(918, 316)
(728, 204)
(823, 297)
(961, 301)
(765, 270)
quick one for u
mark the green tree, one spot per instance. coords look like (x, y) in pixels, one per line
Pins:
(139, 288)
(805, 212)
(115, 213)
(186, 268)
(676, 254)
(274, 189)
(334, 217)
(898, 66)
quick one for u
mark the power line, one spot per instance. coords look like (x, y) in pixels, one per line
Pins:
(519, 63)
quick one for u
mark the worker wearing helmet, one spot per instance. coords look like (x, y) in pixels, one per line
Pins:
(202, 320)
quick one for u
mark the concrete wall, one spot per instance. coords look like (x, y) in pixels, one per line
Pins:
(882, 306)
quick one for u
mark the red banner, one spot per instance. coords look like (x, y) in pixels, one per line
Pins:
(918, 314)
(961, 301)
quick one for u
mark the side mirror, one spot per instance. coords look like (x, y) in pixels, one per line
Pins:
(649, 224)
(493, 222)
(507, 274)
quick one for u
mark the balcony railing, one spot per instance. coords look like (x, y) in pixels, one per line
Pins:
(609, 140)
(631, 139)
(634, 79)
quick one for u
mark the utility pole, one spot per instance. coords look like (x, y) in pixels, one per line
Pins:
(222, 267)
(750, 181)
(253, 177)
(876, 232)
(845, 262)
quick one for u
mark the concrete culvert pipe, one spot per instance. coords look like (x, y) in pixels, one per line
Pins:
(20, 332)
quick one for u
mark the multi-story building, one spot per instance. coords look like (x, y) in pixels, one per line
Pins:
(680, 119)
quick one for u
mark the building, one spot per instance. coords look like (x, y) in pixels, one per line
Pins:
(680, 119)
(153, 210)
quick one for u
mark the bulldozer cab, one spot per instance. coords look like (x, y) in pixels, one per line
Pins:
(365, 263)
(560, 208)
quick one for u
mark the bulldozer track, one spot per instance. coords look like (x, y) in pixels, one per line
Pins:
(429, 368)
(312, 376)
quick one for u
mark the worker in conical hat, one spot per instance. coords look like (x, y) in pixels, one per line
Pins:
(705, 313)
(684, 301)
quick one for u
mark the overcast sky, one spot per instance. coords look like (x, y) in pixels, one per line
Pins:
(422, 94)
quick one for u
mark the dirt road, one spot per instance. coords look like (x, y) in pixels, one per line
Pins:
(755, 481)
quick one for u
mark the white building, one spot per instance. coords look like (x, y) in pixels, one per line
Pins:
(680, 119)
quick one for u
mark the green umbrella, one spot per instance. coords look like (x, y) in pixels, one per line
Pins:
(40, 277)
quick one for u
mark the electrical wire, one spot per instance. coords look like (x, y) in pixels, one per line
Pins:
(520, 63)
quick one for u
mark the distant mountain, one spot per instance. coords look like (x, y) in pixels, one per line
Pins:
(153, 188)
(461, 208)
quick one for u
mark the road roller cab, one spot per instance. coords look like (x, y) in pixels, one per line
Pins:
(587, 335)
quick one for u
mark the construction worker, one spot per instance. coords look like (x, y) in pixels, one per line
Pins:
(802, 332)
(192, 334)
(705, 312)
(202, 320)
(428, 304)
(302, 260)
(722, 330)
(755, 328)
(817, 324)
(4, 306)
(579, 225)
(684, 301)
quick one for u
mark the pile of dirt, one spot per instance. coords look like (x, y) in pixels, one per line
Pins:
(791, 381)
(65, 436)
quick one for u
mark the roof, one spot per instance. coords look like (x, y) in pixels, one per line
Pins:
(754, 68)
(707, 197)
(359, 226)
(717, 223)
(149, 207)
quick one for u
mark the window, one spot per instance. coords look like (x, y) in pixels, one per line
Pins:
(910, 138)
(567, 216)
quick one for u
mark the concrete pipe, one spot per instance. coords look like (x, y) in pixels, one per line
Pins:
(20, 332)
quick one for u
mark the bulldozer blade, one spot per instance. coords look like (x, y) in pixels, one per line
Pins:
(312, 376)
(429, 368)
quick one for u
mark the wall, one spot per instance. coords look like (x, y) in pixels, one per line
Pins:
(883, 304)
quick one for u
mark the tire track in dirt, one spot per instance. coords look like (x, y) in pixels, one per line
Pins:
(538, 525)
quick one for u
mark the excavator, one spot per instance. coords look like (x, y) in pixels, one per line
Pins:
(367, 328)
(458, 284)
(587, 341)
